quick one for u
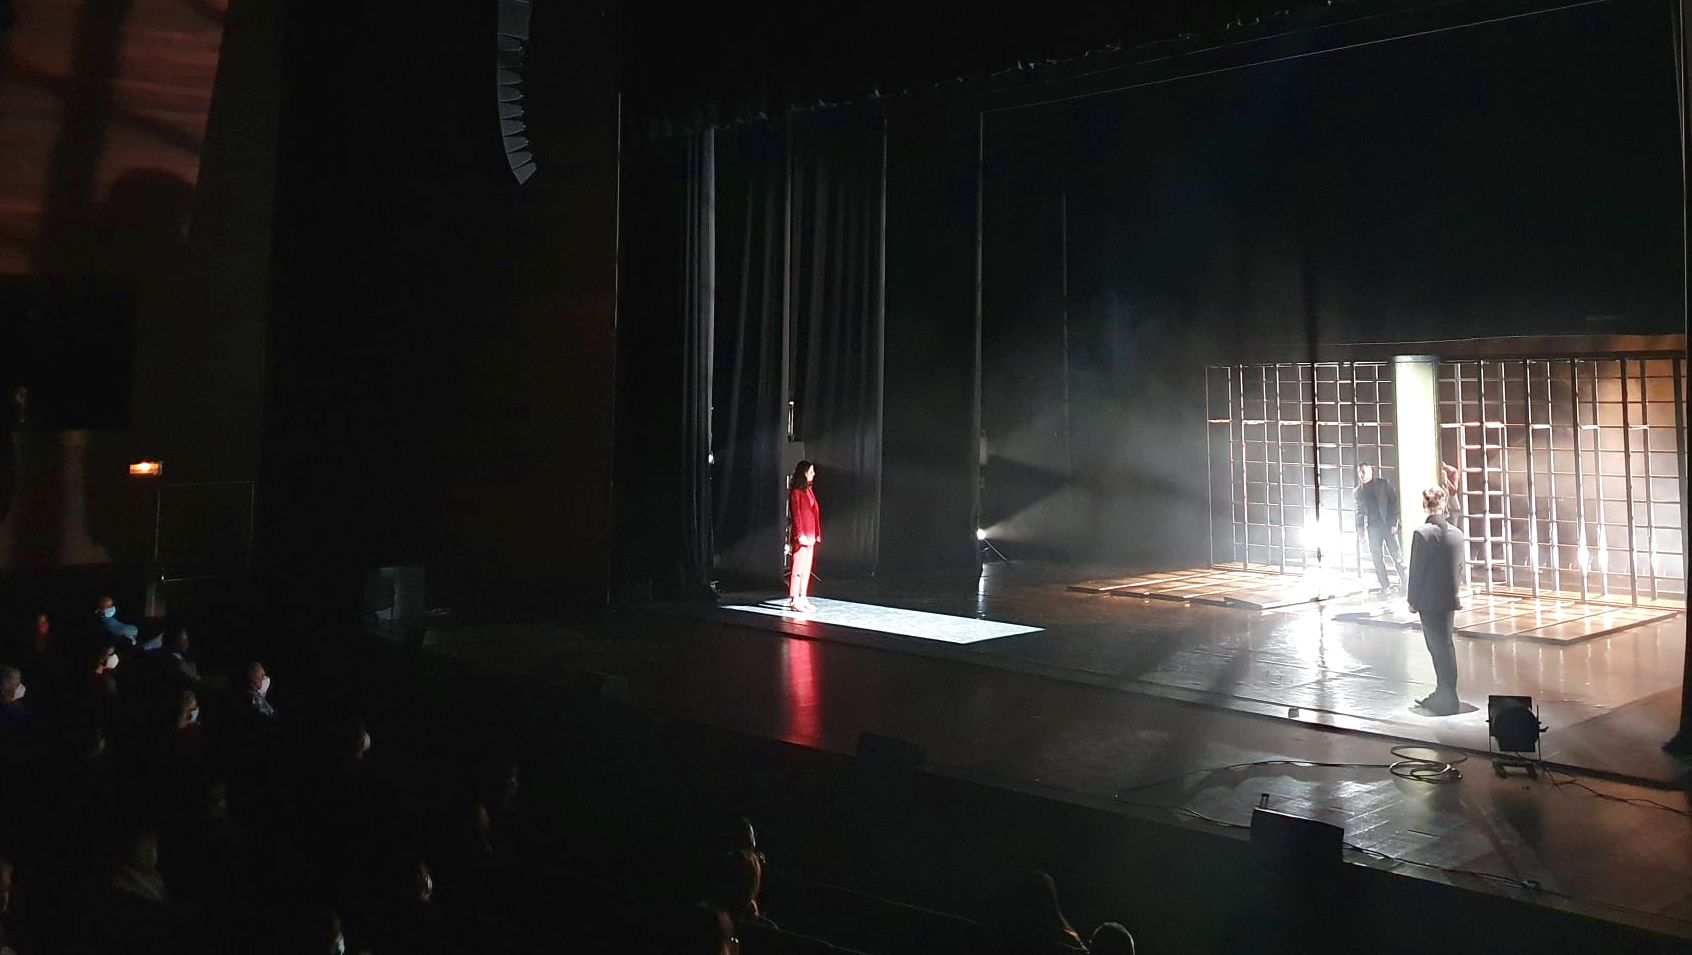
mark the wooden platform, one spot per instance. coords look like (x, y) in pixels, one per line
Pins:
(1505, 615)
(1256, 588)
(1551, 617)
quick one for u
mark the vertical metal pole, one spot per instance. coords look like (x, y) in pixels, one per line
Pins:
(1533, 489)
(1315, 450)
(1245, 473)
(1580, 481)
(1356, 459)
(1504, 471)
(1680, 458)
(1462, 466)
(1280, 485)
(1486, 474)
(1553, 500)
(1598, 475)
(1235, 415)
(1209, 472)
(1650, 494)
(1627, 476)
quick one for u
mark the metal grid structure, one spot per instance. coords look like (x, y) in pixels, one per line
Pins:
(1571, 474)
(1284, 442)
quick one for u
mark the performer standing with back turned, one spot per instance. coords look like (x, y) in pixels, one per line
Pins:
(1436, 566)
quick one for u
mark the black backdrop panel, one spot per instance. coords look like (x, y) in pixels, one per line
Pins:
(928, 439)
(1517, 178)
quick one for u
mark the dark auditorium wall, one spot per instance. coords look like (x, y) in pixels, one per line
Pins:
(440, 389)
(1519, 178)
(135, 199)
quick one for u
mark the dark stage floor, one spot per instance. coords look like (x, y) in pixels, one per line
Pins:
(991, 712)
(1608, 701)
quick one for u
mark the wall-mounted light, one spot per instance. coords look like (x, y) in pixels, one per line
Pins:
(147, 469)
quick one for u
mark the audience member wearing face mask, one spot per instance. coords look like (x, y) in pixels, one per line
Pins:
(14, 712)
(257, 691)
(106, 617)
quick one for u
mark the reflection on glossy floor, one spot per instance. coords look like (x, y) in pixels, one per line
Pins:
(1608, 701)
(1145, 754)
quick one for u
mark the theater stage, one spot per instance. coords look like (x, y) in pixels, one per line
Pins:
(1609, 700)
(1157, 710)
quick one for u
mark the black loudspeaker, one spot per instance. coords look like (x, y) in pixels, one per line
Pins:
(888, 753)
(510, 42)
(1292, 844)
(1295, 874)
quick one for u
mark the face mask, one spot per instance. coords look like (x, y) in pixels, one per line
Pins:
(364, 743)
(20, 694)
(340, 945)
(112, 662)
(193, 716)
(109, 612)
(264, 686)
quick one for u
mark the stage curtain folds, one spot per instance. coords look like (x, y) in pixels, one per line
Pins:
(747, 405)
(800, 211)
(839, 181)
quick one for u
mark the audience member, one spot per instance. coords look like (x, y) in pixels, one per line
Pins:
(736, 882)
(106, 618)
(14, 712)
(175, 657)
(256, 692)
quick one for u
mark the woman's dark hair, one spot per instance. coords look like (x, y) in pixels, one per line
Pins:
(799, 481)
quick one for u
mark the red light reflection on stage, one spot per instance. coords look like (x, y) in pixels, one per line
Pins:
(801, 721)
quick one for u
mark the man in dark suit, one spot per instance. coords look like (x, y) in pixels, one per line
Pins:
(1377, 517)
(1436, 567)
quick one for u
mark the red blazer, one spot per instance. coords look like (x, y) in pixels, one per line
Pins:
(806, 518)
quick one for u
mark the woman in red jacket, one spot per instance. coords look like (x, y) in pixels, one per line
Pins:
(805, 523)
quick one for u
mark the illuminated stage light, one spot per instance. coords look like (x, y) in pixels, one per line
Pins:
(895, 620)
(147, 469)
(980, 534)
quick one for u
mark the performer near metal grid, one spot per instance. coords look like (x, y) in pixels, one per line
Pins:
(1377, 517)
(1436, 569)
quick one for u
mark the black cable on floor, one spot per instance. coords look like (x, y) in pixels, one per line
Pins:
(1556, 783)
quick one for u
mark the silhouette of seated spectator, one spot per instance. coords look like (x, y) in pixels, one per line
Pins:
(14, 712)
(175, 658)
(1111, 938)
(255, 693)
(1031, 922)
(734, 887)
(32, 644)
(99, 685)
(106, 619)
(138, 914)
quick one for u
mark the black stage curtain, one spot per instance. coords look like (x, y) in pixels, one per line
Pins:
(699, 316)
(838, 190)
(665, 318)
(799, 214)
(747, 415)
